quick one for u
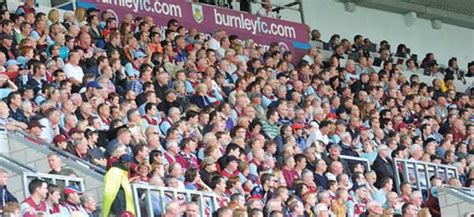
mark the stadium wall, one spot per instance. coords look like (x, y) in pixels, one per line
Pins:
(330, 17)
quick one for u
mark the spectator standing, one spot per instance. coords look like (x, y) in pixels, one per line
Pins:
(117, 190)
(383, 166)
(5, 195)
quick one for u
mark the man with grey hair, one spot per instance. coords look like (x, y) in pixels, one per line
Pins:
(350, 71)
(192, 209)
(324, 199)
(90, 205)
(173, 209)
(174, 114)
(383, 165)
(321, 210)
(215, 42)
(416, 198)
(374, 208)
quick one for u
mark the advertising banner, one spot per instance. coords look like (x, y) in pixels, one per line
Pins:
(207, 18)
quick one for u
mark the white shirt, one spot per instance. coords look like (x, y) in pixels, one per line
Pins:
(309, 59)
(72, 71)
(214, 44)
(48, 133)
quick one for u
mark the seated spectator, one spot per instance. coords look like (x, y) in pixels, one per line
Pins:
(72, 200)
(172, 209)
(8, 122)
(35, 203)
(53, 207)
(89, 204)
(11, 209)
(262, 126)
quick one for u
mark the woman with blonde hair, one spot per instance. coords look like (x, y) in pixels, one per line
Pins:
(424, 212)
(80, 14)
(53, 17)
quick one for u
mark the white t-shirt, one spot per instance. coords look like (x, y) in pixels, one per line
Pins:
(72, 71)
(214, 44)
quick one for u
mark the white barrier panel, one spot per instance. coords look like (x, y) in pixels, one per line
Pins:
(147, 196)
(418, 173)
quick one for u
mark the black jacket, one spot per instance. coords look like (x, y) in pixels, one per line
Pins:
(383, 169)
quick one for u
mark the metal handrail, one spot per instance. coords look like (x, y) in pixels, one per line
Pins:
(73, 2)
(422, 170)
(143, 192)
(84, 166)
(54, 179)
(360, 159)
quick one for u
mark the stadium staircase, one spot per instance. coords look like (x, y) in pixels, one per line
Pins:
(456, 201)
(30, 155)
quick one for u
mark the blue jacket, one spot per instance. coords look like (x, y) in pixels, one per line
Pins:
(6, 196)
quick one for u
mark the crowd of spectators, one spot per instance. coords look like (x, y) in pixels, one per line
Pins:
(260, 129)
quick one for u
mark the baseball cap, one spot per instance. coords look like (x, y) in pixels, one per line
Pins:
(297, 126)
(34, 124)
(403, 125)
(138, 54)
(362, 127)
(124, 158)
(207, 161)
(75, 130)
(59, 138)
(232, 158)
(94, 84)
(340, 122)
(72, 189)
(90, 10)
(12, 62)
